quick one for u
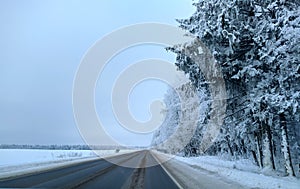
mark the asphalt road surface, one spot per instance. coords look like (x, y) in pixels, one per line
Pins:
(99, 174)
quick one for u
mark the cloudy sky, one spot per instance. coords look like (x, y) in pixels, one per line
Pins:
(42, 44)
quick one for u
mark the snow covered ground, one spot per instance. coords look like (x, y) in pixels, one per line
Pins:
(10, 157)
(15, 162)
(243, 172)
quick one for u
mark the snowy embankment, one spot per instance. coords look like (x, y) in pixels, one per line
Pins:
(243, 172)
(14, 162)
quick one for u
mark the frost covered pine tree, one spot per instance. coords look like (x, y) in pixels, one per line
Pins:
(171, 121)
(256, 42)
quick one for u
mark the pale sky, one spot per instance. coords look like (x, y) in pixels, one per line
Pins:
(42, 44)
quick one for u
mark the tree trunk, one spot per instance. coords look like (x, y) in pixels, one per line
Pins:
(229, 147)
(285, 148)
(268, 158)
(255, 158)
(259, 152)
(271, 143)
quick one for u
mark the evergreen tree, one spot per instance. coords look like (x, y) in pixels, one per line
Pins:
(256, 43)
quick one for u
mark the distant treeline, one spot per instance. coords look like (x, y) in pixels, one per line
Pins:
(58, 147)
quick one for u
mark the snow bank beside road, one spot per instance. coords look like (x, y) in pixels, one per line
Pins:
(242, 172)
(189, 177)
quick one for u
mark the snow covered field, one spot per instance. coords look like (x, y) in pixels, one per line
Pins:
(243, 172)
(15, 162)
(10, 157)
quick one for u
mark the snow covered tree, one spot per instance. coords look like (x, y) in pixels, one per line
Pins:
(181, 103)
(171, 121)
(256, 43)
